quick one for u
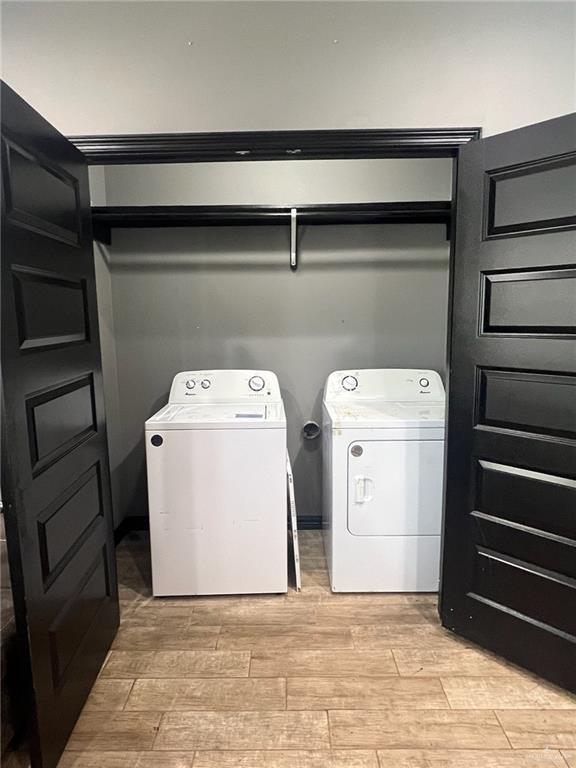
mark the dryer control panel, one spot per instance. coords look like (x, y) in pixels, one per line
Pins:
(221, 386)
(385, 384)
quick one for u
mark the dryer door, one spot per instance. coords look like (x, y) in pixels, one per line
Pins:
(395, 487)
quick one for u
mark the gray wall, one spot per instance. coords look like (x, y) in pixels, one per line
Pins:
(103, 275)
(127, 67)
(114, 425)
(279, 183)
(225, 298)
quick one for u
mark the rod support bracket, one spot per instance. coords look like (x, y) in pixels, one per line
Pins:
(293, 239)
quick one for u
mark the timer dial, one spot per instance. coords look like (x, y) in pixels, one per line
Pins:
(349, 383)
(256, 383)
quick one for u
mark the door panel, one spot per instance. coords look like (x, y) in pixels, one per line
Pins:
(50, 308)
(532, 196)
(531, 401)
(538, 302)
(55, 476)
(395, 487)
(40, 195)
(509, 560)
(499, 488)
(527, 544)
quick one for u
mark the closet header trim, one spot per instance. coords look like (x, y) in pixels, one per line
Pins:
(273, 145)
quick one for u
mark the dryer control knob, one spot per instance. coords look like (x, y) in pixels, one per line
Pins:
(256, 383)
(424, 382)
(349, 383)
(190, 384)
(205, 383)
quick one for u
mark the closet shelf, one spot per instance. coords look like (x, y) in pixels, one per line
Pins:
(107, 218)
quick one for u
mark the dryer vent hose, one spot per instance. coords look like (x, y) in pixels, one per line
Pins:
(311, 430)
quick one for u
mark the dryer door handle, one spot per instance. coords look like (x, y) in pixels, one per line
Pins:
(363, 489)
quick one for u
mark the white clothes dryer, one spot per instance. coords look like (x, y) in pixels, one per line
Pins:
(216, 462)
(383, 455)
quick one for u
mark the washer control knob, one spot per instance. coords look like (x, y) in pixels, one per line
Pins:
(256, 383)
(190, 384)
(349, 383)
(205, 383)
(424, 382)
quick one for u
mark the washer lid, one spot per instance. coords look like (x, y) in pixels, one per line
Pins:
(376, 414)
(218, 416)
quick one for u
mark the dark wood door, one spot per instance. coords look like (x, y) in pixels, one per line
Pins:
(55, 476)
(509, 560)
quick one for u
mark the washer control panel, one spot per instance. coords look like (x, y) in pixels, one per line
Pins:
(225, 386)
(387, 384)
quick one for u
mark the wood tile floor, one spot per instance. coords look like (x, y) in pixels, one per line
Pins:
(308, 680)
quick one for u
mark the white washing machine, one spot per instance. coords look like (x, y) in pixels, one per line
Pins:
(383, 454)
(216, 461)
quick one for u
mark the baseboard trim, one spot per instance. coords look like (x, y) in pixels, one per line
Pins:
(310, 523)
